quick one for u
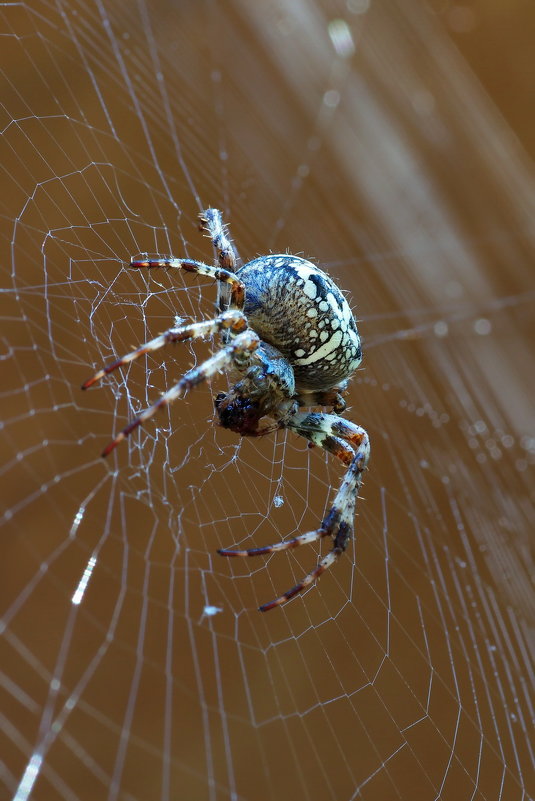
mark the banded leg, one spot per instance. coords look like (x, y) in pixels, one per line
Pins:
(238, 353)
(237, 288)
(332, 433)
(350, 444)
(232, 320)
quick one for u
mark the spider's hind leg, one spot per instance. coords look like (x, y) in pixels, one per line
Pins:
(335, 434)
(334, 397)
(337, 524)
(349, 443)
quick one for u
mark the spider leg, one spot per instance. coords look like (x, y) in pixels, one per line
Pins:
(350, 444)
(237, 288)
(332, 433)
(211, 223)
(238, 353)
(302, 539)
(233, 320)
(332, 397)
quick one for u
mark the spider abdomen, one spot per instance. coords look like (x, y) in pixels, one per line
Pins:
(296, 307)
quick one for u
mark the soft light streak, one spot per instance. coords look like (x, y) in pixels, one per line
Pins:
(28, 780)
(79, 594)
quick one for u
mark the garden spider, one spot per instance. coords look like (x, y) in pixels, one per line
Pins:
(289, 332)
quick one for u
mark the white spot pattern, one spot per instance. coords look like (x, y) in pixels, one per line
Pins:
(297, 308)
(331, 345)
(310, 290)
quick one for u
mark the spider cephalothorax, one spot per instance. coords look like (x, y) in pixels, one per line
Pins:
(263, 400)
(289, 332)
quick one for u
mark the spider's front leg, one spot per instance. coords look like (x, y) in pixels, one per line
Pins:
(237, 289)
(238, 353)
(350, 443)
(211, 223)
(232, 320)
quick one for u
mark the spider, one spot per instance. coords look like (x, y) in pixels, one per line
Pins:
(289, 333)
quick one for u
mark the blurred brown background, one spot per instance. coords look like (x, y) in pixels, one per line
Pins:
(393, 143)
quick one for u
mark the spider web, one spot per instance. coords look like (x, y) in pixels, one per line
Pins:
(134, 663)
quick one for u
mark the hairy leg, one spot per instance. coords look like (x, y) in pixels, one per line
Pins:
(232, 320)
(211, 223)
(350, 444)
(237, 289)
(237, 353)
